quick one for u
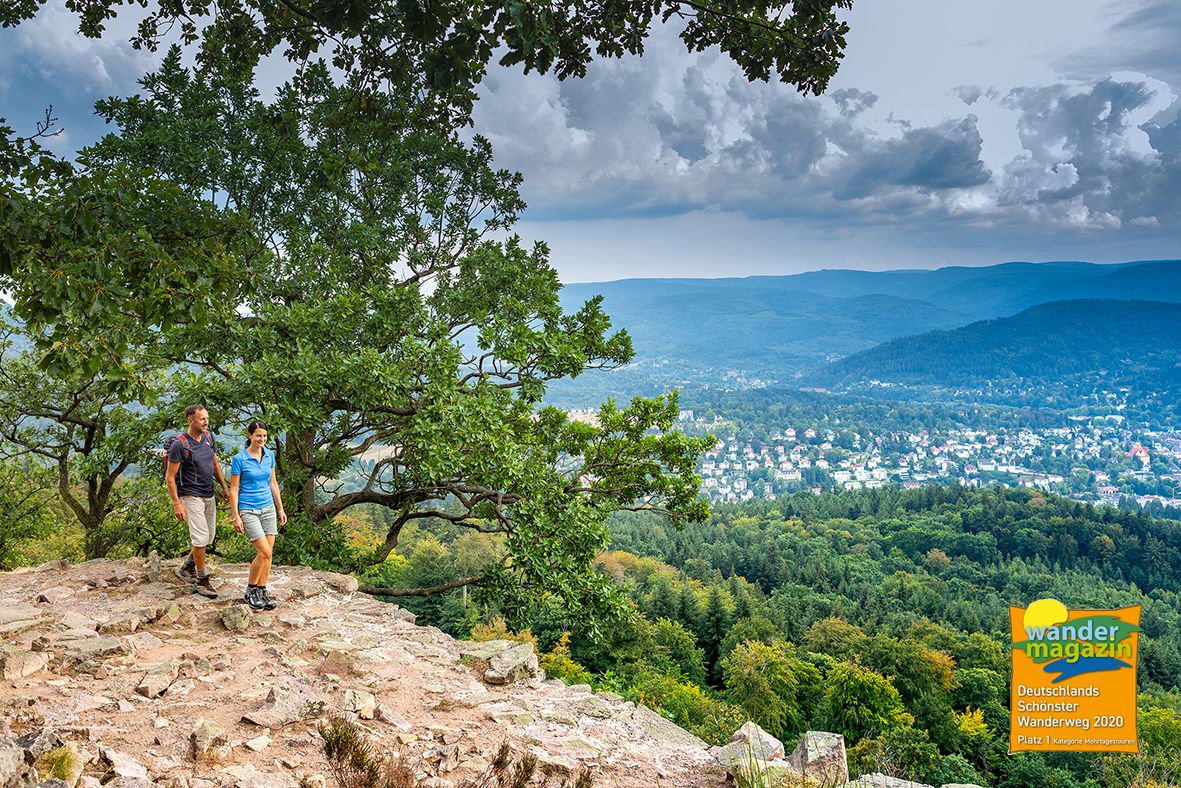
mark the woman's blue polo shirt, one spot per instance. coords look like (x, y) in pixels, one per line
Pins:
(254, 488)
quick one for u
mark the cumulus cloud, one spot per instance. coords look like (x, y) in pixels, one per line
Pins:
(669, 134)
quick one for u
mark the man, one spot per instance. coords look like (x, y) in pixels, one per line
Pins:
(192, 467)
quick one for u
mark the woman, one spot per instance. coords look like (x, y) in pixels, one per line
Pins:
(257, 508)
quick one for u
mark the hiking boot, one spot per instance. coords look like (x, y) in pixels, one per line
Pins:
(255, 598)
(188, 570)
(270, 603)
(204, 587)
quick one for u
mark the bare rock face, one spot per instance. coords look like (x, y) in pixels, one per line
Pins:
(287, 702)
(126, 700)
(821, 755)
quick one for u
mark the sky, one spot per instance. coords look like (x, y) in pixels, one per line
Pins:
(954, 134)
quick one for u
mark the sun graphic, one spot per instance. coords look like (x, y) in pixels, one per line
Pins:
(1045, 613)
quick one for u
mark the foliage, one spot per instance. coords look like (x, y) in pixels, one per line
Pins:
(858, 703)
(773, 686)
(26, 497)
(442, 50)
(557, 663)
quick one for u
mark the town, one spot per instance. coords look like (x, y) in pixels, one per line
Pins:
(1096, 459)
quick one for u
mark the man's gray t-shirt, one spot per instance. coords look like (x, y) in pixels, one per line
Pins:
(195, 475)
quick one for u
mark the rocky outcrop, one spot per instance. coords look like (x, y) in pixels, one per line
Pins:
(821, 755)
(151, 686)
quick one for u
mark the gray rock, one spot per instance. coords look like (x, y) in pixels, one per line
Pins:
(288, 702)
(93, 648)
(514, 664)
(386, 714)
(153, 567)
(665, 730)
(821, 755)
(55, 594)
(158, 679)
(121, 765)
(763, 745)
(37, 743)
(14, 771)
(483, 650)
(236, 617)
(363, 703)
(18, 664)
(209, 741)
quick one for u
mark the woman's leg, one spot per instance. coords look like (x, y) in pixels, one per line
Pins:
(265, 574)
(260, 567)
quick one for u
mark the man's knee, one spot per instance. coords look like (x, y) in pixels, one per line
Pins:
(263, 549)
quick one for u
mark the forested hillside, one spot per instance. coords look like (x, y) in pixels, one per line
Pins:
(879, 614)
(1038, 347)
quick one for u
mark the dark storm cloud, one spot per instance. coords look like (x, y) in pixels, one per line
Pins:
(947, 157)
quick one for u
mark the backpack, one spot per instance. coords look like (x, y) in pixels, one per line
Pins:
(185, 447)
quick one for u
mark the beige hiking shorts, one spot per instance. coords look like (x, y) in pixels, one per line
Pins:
(201, 517)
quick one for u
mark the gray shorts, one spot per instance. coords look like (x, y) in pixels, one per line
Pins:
(259, 522)
(201, 518)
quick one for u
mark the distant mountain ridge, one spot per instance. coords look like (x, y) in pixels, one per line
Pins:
(782, 327)
(1045, 343)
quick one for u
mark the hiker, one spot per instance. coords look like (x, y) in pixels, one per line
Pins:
(257, 508)
(192, 467)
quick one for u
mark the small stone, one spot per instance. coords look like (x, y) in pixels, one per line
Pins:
(56, 594)
(386, 714)
(363, 703)
(153, 567)
(157, 680)
(209, 741)
(258, 743)
(126, 707)
(236, 618)
(287, 702)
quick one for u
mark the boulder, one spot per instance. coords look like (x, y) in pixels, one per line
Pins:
(361, 702)
(55, 594)
(287, 702)
(158, 679)
(514, 664)
(482, 651)
(821, 755)
(765, 746)
(236, 617)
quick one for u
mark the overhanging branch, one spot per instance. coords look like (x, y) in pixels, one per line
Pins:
(380, 591)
